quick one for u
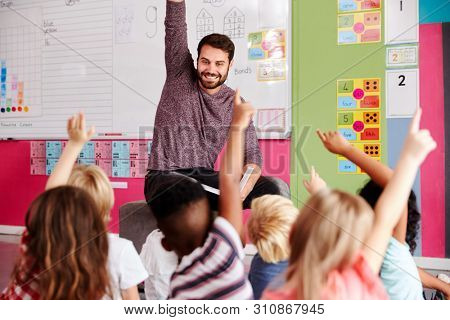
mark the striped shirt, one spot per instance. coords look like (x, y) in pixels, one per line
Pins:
(214, 271)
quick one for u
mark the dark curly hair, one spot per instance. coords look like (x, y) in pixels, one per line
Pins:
(174, 194)
(372, 191)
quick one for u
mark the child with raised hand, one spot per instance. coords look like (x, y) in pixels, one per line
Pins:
(399, 273)
(63, 250)
(338, 244)
(124, 265)
(209, 249)
(268, 229)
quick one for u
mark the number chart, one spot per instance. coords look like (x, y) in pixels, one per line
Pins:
(359, 117)
(359, 28)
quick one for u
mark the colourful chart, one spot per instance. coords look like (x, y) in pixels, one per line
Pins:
(359, 28)
(358, 93)
(11, 93)
(359, 126)
(269, 44)
(358, 5)
(119, 159)
(359, 117)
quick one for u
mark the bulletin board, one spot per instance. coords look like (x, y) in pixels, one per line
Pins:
(106, 57)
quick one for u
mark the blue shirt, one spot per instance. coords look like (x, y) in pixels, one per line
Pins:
(261, 273)
(399, 273)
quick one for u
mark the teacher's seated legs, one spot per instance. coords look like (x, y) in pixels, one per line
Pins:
(208, 177)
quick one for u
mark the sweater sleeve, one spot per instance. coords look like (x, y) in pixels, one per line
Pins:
(177, 55)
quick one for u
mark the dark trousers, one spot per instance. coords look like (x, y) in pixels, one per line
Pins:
(209, 177)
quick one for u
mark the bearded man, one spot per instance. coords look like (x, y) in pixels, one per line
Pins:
(194, 115)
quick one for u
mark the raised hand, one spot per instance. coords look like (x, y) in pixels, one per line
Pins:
(334, 142)
(419, 142)
(315, 183)
(76, 129)
(242, 112)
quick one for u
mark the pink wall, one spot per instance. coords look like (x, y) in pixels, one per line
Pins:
(18, 188)
(433, 170)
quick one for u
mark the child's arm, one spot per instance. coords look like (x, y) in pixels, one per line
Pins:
(390, 205)
(337, 144)
(130, 293)
(230, 204)
(380, 174)
(431, 282)
(76, 129)
(315, 183)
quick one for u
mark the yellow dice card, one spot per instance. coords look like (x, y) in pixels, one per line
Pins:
(371, 149)
(359, 126)
(359, 28)
(363, 93)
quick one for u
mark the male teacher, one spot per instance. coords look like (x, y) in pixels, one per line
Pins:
(194, 115)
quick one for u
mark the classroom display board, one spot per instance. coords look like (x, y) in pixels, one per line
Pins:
(106, 57)
(118, 159)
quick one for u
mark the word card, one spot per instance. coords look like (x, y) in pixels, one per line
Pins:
(358, 5)
(120, 149)
(271, 70)
(361, 27)
(402, 56)
(121, 168)
(103, 149)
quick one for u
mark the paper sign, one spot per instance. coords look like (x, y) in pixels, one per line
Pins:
(106, 166)
(359, 28)
(37, 149)
(358, 5)
(88, 151)
(121, 150)
(271, 70)
(121, 168)
(138, 168)
(138, 149)
(38, 166)
(50, 165)
(53, 149)
(402, 56)
(402, 93)
(103, 150)
(402, 21)
(269, 44)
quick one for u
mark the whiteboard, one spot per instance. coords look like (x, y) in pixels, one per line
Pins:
(106, 57)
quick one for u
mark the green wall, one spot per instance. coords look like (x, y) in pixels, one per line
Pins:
(317, 63)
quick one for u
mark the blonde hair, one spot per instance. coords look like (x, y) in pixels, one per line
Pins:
(327, 236)
(93, 179)
(269, 226)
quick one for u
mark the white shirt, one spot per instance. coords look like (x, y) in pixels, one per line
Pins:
(160, 264)
(124, 265)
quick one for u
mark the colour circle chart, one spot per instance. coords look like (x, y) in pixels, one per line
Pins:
(359, 117)
(20, 65)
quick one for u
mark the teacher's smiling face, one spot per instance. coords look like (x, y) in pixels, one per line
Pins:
(212, 67)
